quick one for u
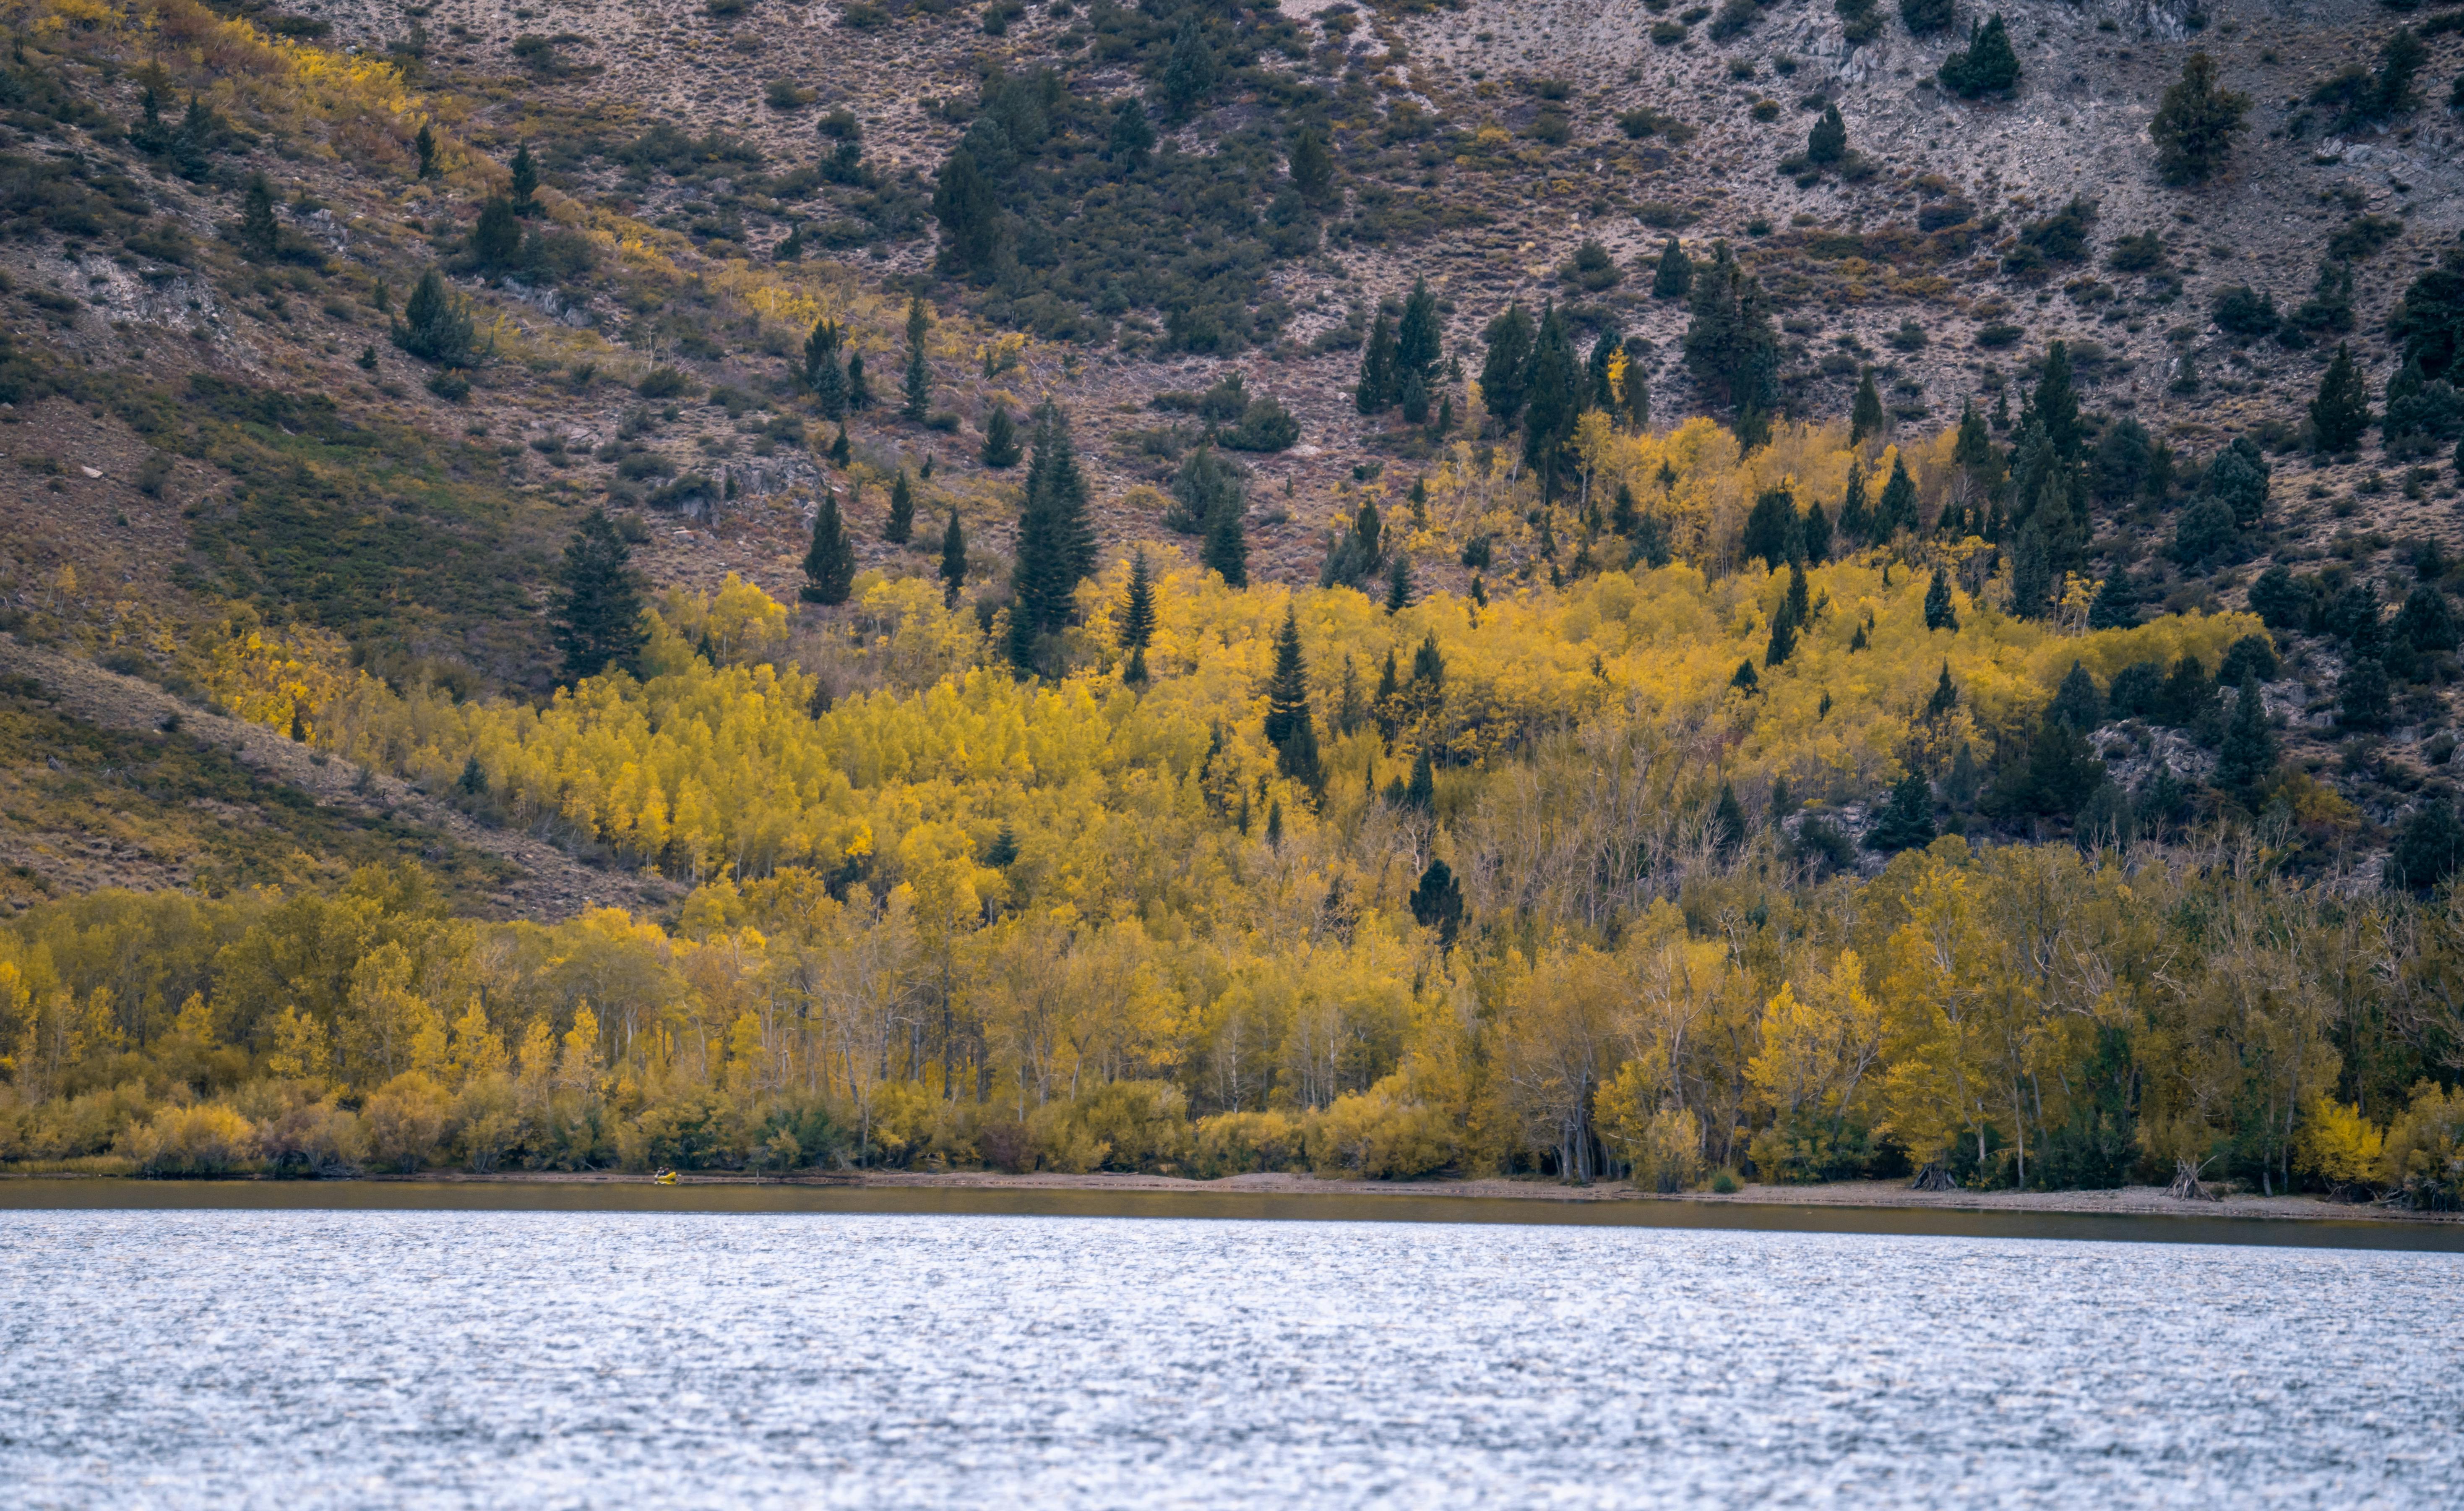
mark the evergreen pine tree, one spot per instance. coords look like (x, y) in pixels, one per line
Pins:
(2076, 701)
(2341, 411)
(2426, 624)
(918, 385)
(1001, 448)
(1938, 611)
(1986, 66)
(841, 453)
(1783, 641)
(1973, 450)
(2031, 578)
(596, 615)
(1437, 903)
(1421, 794)
(1275, 826)
(193, 144)
(1771, 533)
(2429, 850)
(1418, 339)
(1818, 534)
(496, 240)
(1189, 70)
(2061, 772)
(1855, 521)
(2117, 602)
(1925, 17)
(1553, 401)
(1636, 395)
(1134, 670)
(1225, 549)
(1828, 142)
(900, 527)
(859, 393)
(1290, 726)
(968, 208)
(2247, 758)
(1415, 399)
(1506, 371)
(435, 325)
(1607, 348)
(1130, 138)
(1138, 624)
(425, 144)
(260, 234)
(2056, 403)
(2362, 701)
(1728, 821)
(1056, 543)
(1376, 391)
(2194, 125)
(1906, 820)
(1398, 584)
(1673, 275)
(1897, 510)
(821, 371)
(1945, 699)
(150, 134)
(1625, 518)
(829, 563)
(525, 181)
(1311, 165)
(954, 557)
(1865, 418)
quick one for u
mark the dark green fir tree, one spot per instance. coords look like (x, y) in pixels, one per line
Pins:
(596, 615)
(829, 562)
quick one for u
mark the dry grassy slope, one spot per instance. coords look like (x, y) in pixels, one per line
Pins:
(2078, 127)
(541, 881)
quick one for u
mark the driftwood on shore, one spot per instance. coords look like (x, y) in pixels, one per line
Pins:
(2187, 1185)
(1933, 1178)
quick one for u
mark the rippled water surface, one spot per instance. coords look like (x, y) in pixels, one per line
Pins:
(417, 1358)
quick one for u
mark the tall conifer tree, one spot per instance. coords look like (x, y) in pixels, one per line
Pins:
(597, 613)
(829, 563)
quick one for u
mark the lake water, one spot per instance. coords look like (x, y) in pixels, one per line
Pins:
(423, 1357)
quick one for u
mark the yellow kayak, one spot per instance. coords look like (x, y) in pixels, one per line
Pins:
(664, 1178)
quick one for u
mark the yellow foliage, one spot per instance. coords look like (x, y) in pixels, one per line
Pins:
(2339, 1146)
(209, 1138)
(1374, 1135)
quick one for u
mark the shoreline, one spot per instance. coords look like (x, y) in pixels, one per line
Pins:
(2132, 1201)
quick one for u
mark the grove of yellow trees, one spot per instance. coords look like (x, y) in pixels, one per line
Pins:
(1544, 900)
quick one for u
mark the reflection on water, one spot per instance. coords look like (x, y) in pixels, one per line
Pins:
(186, 1357)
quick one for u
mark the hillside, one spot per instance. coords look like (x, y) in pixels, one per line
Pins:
(1005, 585)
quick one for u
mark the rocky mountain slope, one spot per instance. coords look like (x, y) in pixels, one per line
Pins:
(197, 422)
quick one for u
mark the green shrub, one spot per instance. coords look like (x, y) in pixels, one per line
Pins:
(1986, 66)
(437, 324)
(1735, 18)
(663, 383)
